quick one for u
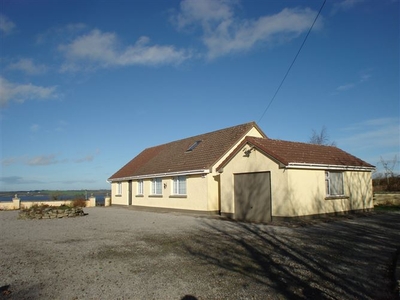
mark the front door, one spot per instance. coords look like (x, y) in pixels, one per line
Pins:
(130, 192)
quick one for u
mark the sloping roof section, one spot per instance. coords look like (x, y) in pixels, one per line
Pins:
(301, 154)
(199, 152)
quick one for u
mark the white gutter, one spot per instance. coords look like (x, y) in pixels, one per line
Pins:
(169, 174)
(327, 167)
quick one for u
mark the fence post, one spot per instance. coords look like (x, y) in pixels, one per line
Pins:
(92, 201)
(107, 200)
(16, 202)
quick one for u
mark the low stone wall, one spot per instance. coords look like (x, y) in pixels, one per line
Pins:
(16, 204)
(51, 213)
(387, 199)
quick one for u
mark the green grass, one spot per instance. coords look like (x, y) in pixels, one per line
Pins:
(387, 207)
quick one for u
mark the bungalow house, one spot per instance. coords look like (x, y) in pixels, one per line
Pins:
(240, 173)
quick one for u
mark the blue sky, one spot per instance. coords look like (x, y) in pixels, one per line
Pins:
(87, 85)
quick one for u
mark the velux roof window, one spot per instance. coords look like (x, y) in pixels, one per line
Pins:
(193, 146)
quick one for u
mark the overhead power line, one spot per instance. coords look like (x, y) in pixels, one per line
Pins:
(291, 65)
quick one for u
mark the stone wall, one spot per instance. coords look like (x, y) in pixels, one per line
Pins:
(16, 204)
(51, 213)
(387, 199)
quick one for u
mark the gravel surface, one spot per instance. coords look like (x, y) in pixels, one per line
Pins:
(119, 253)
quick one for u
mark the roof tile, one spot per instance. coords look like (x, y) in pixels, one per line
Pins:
(174, 157)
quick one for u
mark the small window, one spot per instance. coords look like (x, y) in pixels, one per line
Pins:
(156, 188)
(193, 146)
(179, 187)
(334, 183)
(119, 188)
(140, 187)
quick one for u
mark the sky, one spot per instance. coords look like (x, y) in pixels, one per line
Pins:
(87, 85)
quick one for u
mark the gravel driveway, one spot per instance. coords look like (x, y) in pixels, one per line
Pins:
(118, 253)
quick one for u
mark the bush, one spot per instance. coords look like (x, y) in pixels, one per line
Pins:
(79, 202)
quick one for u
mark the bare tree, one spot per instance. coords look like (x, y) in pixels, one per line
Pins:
(389, 166)
(321, 137)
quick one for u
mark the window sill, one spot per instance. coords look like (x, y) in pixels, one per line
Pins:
(155, 196)
(138, 196)
(118, 195)
(178, 196)
(336, 197)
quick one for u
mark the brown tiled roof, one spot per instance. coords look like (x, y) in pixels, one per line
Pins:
(174, 157)
(287, 153)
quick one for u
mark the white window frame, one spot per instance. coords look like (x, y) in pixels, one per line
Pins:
(119, 188)
(179, 186)
(139, 187)
(334, 183)
(156, 186)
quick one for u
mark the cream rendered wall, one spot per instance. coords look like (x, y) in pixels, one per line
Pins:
(214, 178)
(306, 194)
(296, 192)
(119, 199)
(358, 186)
(196, 198)
(256, 162)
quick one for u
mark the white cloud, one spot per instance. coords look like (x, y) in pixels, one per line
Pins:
(87, 158)
(364, 76)
(17, 180)
(11, 161)
(374, 133)
(42, 160)
(345, 87)
(6, 25)
(34, 127)
(60, 32)
(102, 49)
(345, 5)
(223, 33)
(21, 92)
(28, 66)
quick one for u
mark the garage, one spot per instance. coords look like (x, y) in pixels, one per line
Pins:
(252, 192)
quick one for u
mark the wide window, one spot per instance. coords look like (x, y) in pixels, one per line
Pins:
(334, 183)
(119, 188)
(156, 188)
(140, 187)
(179, 187)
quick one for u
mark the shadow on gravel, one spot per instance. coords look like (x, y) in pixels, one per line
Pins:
(345, 259)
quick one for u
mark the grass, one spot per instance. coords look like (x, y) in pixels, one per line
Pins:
(387, 207)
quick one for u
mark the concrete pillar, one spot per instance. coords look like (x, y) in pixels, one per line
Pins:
(16, 202)
(107, 200)
(92, 201)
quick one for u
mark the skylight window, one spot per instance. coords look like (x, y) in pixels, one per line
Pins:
(193, 146)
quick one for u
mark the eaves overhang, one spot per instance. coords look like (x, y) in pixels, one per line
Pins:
(328, 167)
(166, 174)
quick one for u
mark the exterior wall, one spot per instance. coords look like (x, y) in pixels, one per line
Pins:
(296, 192)
(195, 198)
(306, 194)
(358, 186)
(203, 191)
(121, 199)
(214, 179)
(256, 162)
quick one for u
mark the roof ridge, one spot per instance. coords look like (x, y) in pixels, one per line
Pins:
(206, 133)
(295, 142)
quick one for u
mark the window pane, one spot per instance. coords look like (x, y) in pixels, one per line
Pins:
(179, 186)
(119, 188)
(140, 187)
(156, 186)
(336, 183)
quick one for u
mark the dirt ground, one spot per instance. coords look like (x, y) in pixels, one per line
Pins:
(119, 253)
